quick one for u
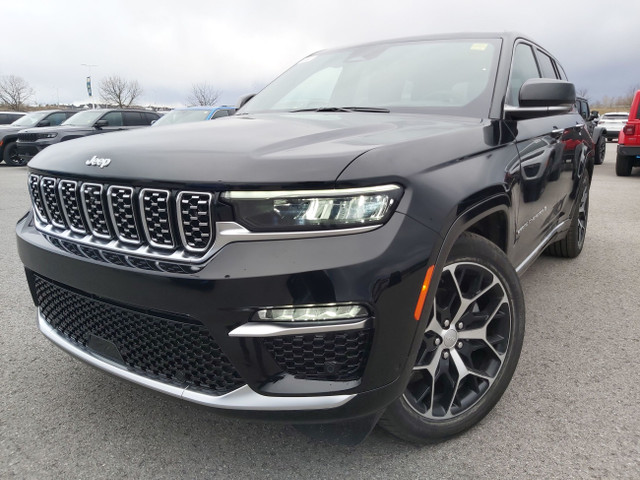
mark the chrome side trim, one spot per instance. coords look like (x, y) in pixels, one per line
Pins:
(242, 398)
(226, 232)
(266, 329)
(538, 250)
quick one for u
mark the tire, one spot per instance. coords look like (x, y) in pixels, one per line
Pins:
(601, 150)
(11, 155)
(473, 357)
(571, 245)
(624, 164)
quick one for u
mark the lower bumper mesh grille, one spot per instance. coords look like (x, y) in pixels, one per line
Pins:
(339, 356)
(173, 352)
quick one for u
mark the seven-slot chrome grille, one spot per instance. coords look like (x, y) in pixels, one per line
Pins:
(140, 221)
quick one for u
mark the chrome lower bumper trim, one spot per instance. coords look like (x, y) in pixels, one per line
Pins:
(265, 329)
(241, 399)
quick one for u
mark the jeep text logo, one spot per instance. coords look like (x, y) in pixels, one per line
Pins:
(98, 162)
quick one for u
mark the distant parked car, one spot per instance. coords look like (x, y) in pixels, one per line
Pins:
(194, 114)
(629, 141)
(595, 130)
(10, 117)
(88, 122)
(613, 123)
(9, 133)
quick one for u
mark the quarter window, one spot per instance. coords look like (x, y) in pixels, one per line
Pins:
(546, 65)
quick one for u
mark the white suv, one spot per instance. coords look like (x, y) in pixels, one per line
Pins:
(612, 123)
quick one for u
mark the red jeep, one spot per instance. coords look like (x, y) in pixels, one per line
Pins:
(629, 141)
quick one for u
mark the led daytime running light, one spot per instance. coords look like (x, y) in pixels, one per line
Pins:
(310, 314)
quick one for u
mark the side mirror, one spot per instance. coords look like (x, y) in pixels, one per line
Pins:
(243, 100)
(593, 115)
(541, 97)
(44, 123)
(101, 123)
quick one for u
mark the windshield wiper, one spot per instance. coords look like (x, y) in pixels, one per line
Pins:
(343, 109)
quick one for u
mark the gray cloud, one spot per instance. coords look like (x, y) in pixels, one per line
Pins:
(240, 46)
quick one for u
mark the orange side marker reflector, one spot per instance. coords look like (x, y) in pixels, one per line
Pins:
(423, 293)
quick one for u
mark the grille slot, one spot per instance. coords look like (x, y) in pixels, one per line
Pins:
(70, 205)
(48, 186)
(335, 356)
(36, 198)
(122, 214)
(173, 352)
(195, 220)
(91, 194)
(155, 212)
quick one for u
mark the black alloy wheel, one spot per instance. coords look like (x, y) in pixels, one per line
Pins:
(470, 347)
(11, 155)
(571, 245)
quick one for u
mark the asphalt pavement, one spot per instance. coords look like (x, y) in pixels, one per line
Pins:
(571, 411)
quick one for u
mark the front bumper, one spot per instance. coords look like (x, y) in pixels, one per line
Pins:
(382, 269)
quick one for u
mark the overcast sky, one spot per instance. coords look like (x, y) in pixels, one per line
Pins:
(240, 45)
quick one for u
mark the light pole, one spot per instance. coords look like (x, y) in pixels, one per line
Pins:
(89, 87)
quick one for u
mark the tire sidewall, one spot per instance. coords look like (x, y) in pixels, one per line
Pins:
(476, 249)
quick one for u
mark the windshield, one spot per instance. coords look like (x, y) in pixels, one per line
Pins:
(84, 119)
(30, 119)
(439, 76)
(182, 116)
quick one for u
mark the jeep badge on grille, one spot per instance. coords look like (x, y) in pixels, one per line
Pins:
(96, 161)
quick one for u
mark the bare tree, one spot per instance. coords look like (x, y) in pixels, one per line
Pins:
(203, 94)
(14, 92)
(116, 90)
(584, 93)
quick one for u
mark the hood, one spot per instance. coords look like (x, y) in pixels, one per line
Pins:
(275, 149)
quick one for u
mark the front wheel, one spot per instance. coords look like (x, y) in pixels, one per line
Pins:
(470, 347)
(11, 155)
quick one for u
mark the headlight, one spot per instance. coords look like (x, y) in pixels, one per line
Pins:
(47, 135)
(314, 209)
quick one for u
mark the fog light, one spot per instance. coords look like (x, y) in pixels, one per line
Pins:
(311, 314)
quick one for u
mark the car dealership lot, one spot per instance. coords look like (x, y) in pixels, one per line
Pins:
(572, 409)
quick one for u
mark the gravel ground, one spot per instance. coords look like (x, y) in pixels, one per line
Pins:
(572, 410)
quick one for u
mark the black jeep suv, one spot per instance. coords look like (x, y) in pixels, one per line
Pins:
(344, 250)
(89, 122)
(39, 119)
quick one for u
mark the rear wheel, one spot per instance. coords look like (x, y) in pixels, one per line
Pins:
(624, 164)
(470, 347)
(601, 149)
(11, 155)
(571, 245)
